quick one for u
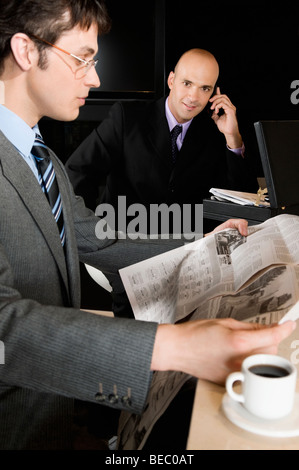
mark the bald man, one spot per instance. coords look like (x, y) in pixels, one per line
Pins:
(132, 147)
(191, 86)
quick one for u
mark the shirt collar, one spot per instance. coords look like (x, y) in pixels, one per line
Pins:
(172, 122)
(23, 138)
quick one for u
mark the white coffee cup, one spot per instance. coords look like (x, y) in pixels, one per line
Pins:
(268, 385)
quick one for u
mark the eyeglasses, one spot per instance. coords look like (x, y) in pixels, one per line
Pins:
(85, 66)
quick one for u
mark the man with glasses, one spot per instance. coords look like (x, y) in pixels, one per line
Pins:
(83, 66)
(55, 353)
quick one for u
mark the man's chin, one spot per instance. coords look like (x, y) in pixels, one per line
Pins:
(190, 114)
(69, 116)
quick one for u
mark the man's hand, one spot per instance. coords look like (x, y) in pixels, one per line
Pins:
(240, 224)
(227, 122)
(211, 349)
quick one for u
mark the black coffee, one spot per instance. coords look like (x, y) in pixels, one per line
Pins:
(268, 370)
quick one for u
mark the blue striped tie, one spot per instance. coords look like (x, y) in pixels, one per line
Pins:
(48, 182)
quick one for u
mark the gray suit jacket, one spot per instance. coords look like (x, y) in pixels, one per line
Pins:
(53, 351)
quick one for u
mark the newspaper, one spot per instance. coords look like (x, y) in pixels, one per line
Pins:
(252, 278)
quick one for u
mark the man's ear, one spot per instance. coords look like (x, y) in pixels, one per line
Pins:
(170, 80)
(23, 50)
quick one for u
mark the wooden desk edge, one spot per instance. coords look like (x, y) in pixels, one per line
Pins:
(210, 429)
(105, 313)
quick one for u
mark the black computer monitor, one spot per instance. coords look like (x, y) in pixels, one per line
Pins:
(278, 143)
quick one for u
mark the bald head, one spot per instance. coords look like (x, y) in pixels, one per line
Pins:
(192, 83)
(200, 55)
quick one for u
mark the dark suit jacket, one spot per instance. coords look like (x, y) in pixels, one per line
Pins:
(132, 148)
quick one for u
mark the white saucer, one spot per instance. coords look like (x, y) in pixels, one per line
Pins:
(284, 427)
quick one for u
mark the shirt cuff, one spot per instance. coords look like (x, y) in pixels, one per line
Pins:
(238, 151)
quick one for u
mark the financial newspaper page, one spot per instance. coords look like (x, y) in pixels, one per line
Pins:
(252, 278)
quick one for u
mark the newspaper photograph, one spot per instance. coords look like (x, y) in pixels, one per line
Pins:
(222, 275)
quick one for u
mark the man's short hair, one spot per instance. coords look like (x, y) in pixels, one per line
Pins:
(48, 19)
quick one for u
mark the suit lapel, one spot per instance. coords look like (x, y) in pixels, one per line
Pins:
(71, 248)
(194, 141)
(158, 133)
(159, 137)
(20, 176)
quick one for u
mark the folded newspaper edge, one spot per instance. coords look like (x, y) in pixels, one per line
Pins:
(292, 314)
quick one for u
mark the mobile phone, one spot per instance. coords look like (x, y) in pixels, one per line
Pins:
(215, 90)
(208, 107)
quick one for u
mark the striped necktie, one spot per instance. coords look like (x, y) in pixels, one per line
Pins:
(174, 135)
(48, 182)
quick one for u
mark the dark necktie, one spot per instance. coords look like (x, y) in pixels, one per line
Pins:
(48, 182)
(174, 135)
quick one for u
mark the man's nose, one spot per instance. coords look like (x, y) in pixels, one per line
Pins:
(92, 80)
(193, 94)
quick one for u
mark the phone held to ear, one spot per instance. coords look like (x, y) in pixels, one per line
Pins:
(210, 111)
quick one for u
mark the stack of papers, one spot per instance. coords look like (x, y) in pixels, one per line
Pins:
(244, 199)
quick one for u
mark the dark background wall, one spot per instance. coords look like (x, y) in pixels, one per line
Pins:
(255, 43)
(257, 47)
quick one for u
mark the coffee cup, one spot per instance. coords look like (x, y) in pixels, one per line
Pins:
(268, 386)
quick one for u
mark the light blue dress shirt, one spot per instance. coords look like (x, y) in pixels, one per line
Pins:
(23, 139)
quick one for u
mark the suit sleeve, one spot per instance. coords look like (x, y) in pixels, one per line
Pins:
(92, 161)
(51, 347)
(72, 353)
(240, 172)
